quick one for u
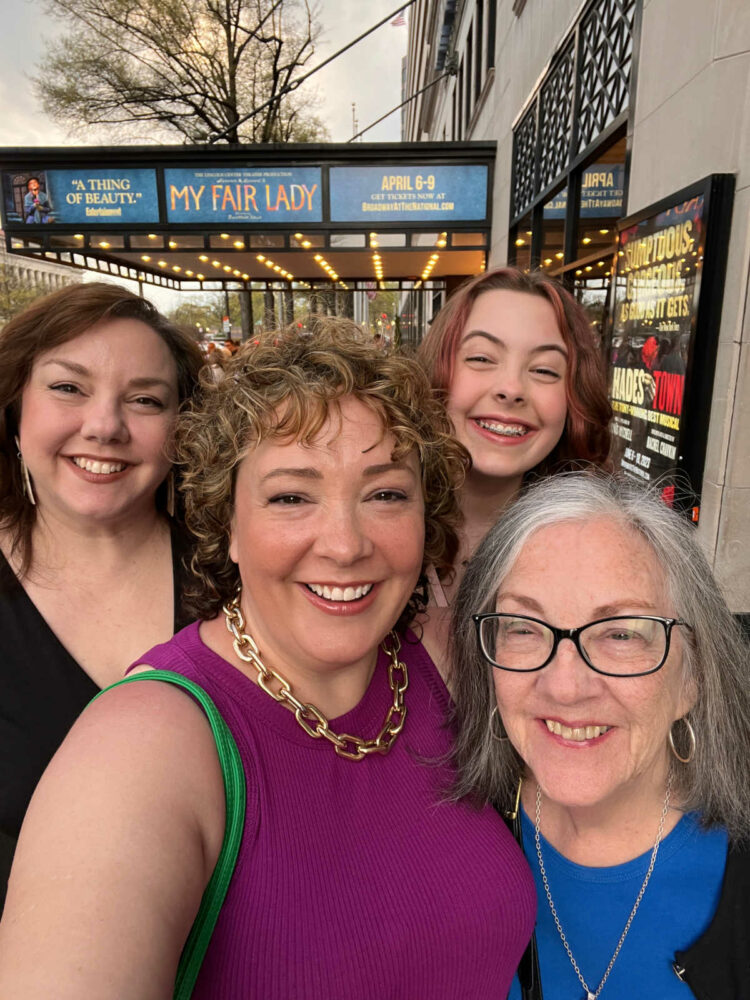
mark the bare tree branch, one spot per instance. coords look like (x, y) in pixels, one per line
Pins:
(185, 67)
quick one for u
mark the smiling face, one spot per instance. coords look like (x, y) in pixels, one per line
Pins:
(570, 574)
(95, 417)
(328, 539)
(507, 397)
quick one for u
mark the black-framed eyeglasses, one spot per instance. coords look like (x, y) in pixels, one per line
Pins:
(621, 646)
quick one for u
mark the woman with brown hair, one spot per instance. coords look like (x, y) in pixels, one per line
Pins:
(513, 357)
(91, 379)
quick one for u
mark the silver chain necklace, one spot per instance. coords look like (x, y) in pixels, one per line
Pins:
(589, 995)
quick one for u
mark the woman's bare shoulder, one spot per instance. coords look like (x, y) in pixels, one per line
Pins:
(116, 849)
(146, 715)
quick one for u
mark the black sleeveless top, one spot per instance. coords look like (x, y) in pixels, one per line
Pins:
(43, 690)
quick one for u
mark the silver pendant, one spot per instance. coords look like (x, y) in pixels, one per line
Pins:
(590, 995)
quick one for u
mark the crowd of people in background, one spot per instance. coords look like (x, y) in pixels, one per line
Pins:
(397, 690)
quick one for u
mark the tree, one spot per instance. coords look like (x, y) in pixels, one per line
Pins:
(202, 314)
(384, 303)
(15, 292)
(190, 68)
(197, 315)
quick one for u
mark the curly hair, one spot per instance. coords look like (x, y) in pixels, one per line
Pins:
(715, 656)
(283, 384)
(586, 438)
(48, 322)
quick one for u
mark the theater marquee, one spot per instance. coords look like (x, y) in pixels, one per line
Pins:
(329, 216)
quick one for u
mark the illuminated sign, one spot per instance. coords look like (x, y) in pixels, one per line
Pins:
(87, 195)
(665, 313)
(658, 277)
(244, 194)
(409, 194)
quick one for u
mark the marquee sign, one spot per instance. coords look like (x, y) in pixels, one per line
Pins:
(246, 194)
(90, 195)
(412, 194)
(278, 194)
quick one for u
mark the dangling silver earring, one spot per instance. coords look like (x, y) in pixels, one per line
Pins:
(25, 477)
(170, 493)
(494, 732)
(690, 737)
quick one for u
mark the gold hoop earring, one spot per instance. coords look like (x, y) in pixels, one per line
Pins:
(170, 493)
(25, 477)
(494, 714)
(691, 741)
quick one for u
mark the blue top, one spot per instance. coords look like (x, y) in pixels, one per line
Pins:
(593, 905)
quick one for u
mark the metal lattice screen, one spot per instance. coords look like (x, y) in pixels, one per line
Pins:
(590, 97)
(606, 41)
(555, 119)
(524, 161)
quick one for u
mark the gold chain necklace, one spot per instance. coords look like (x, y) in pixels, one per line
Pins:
(308, 716)
(589, 993)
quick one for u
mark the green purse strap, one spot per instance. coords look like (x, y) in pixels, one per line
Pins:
(235, 792)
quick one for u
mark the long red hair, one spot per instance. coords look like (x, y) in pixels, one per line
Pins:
(586, 437)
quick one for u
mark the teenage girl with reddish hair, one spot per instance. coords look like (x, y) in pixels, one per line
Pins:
(514, 356)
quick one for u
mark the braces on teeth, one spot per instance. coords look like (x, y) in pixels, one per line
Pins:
(508, 430)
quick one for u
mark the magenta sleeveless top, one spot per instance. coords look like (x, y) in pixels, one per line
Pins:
(357, 880)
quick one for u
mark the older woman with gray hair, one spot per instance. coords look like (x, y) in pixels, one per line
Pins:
(603, 695)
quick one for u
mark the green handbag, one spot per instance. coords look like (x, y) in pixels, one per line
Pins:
(234, 789)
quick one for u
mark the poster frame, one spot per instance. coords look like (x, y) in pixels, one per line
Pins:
(718, 194)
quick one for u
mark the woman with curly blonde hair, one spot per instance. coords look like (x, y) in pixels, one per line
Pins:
(319, 480)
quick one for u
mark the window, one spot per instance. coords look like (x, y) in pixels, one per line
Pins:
(478, 41)
(491, 30)
(520, 252)
(601, 201)
(553, 232)
(460, 134)
(469, 55)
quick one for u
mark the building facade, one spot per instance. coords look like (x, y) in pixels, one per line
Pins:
(619, 108)
(43, 275)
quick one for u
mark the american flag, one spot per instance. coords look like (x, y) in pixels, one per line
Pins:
(399, 21)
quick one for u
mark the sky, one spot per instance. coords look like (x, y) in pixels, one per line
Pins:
(368, 75)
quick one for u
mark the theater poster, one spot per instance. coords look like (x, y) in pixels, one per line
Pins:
(666, 309)
(84, 195)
